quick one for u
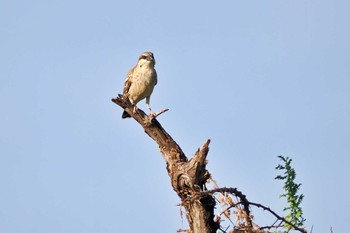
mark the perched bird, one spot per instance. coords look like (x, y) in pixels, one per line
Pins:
(140, 81)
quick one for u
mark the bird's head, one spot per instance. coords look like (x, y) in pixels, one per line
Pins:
(147, 59)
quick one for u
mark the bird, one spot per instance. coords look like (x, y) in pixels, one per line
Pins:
(140, 82)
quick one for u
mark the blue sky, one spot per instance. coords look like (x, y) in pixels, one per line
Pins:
(259, 78)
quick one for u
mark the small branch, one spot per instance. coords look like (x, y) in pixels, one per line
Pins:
(160, 112)
(237, 193)
(278, 217)
(247, 204)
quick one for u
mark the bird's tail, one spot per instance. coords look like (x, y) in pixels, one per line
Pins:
(125, 115)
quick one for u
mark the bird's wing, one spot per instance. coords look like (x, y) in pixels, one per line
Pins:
(128, 81)
(156, 78)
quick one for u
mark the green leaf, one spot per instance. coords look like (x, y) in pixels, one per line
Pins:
(294, 200)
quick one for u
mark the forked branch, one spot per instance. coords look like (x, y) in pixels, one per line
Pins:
(189, 177)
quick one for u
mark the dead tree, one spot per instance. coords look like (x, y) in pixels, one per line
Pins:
(188, 178)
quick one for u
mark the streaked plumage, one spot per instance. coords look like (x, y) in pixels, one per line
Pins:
(140, 81)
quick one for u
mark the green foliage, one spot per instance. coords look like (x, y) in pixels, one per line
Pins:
(295, 212)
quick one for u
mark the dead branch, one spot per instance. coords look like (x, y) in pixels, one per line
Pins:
(247, 204)
(189, 176)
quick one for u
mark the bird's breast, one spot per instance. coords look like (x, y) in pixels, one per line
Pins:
(142, 85)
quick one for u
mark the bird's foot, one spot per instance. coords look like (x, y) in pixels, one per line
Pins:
(152, 114)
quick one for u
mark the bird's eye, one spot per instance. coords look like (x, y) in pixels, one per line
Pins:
(143, 57)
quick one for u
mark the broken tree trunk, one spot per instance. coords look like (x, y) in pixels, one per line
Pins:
(187, 177)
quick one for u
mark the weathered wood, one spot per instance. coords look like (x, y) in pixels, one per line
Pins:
(187, 177)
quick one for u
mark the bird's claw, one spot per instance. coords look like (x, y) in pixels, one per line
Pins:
(135, 109)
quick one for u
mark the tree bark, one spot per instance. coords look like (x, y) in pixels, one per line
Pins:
(187, 176)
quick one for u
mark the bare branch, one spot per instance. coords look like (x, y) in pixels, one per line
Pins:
(188, 178)
(160, 112)
(237, 193)
(247, 204)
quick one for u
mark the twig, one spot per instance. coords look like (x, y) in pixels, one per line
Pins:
(243, 198)
(159, 112)
(278, 217)
(247, 203)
